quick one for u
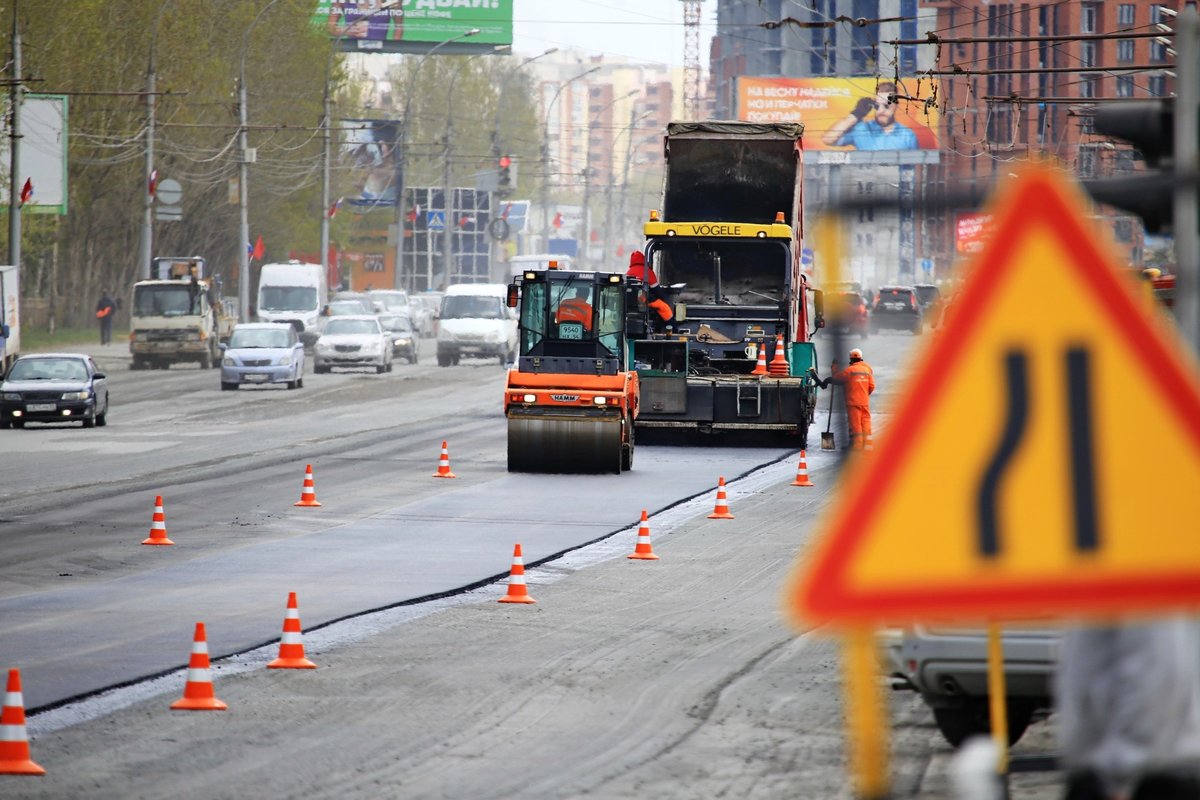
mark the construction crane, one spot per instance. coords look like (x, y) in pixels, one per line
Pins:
(691, 58)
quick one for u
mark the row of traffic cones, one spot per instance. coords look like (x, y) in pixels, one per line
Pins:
(308, 499)
(778, 367)
(198, 692)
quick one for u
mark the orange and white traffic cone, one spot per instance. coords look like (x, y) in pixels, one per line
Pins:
(291, 648)
(517, 593)
(158, 525)
(14, 741)
(643, 550)
(444, 464)
(779, 364)
(761, 367)
(721, 510)
(198, 691)
(802, 473)
(308, 492)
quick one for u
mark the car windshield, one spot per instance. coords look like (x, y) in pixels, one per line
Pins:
(165, 300)
(395, 323)
(927, 293)
(257, 337)
(344, 326)
(472, 306)
(345, 307)
(391, 300)
(48, 369)
(287, 298)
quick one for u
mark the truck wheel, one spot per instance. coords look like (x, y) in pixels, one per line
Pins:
(627, 447)
(138, 363)
(89, 422)
(444, 359)
(973, 719)
(228, 387)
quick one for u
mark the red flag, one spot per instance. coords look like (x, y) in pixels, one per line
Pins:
(259, 249)
(27, 191)
(557, 219)
(333, 209)
(152, 185)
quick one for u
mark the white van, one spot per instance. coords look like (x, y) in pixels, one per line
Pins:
(476, 321)
(294, 293)
(536, 261)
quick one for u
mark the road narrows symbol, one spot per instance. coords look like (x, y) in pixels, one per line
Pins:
(1083, 467)
(1016, 365)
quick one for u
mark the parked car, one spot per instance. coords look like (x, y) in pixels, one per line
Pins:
(896, 308)
(353, 341)
(263, 352)
(929, 297)
(54, 387)
(405, 342)
(948, 667)
(847, 312)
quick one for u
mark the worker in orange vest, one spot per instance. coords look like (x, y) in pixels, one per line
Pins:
(858, 382)
(106, 308)
(576, 309)
(638, 270)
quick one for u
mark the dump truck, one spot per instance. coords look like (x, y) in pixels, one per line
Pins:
(178, 316)
(571, 399)
(726, 254)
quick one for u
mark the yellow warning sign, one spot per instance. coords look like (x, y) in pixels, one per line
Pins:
(1045, 459)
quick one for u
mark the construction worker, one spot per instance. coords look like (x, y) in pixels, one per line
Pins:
(858, 382)
(654, 296)
(576, 309)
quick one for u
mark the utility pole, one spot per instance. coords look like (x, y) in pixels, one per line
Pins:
(14, 149)
(1186, 163)
(448, 203)
(148, 206)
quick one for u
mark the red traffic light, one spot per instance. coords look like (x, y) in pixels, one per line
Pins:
(505, 162)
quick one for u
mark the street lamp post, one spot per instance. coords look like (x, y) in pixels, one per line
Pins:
(546, 159)
(147, 253)
(243, 177)
(634, 119)
(587, 179)
(14, 150)
(403, 156)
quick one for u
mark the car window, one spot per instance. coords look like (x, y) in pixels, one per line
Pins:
(345, 326)
(396, 323)
(893, 296)
(48, 369)
(469, 306)
(258, 337)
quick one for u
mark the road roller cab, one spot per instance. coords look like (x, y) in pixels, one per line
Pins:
(572, 397)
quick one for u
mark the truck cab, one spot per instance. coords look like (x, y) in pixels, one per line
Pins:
(177, 316)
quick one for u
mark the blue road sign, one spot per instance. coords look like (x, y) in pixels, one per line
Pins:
(927, 265)
(435, 220)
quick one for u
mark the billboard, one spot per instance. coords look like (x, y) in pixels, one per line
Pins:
(843, 114)
(971, 230)
(415, 26)
(368, 154)
(43, 154)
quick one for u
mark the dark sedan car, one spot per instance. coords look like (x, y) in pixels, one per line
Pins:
(54, 387)
(405, 340)
(897, 308)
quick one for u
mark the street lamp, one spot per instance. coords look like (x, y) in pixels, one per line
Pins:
(326, 144)
(403, 154)
(634, 119)
(148, 197)
(587, 175)
(546, 158)
(447, 189)
(243, 177)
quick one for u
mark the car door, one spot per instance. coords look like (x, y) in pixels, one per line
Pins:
(297, 353)
(99, 385)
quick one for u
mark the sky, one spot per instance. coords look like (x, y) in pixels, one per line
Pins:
(639, 30)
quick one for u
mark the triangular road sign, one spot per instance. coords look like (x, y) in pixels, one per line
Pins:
(1045, 458)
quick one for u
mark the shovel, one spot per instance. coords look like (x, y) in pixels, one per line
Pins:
(827, 442)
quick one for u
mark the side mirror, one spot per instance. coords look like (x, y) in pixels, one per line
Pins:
(819, 308)
(98, 376)
(223, 346)
(513, 294)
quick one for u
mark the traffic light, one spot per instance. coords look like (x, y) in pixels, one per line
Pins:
(505, 183)
(1150, 128)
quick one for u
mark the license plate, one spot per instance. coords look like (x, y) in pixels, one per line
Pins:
(40, 407)
(256, 378)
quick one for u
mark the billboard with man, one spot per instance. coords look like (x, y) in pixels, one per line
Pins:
(414, 26)
(845, 114)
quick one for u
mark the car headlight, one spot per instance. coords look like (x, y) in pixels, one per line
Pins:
(12, 395)
(228, 362)
(323, 347)
(492, 336)
(401, 342)
(372, 347)
(286, 361)
(84, 395)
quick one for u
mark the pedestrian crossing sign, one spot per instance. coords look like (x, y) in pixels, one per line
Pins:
(1044, 460)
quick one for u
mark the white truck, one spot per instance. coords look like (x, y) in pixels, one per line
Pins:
(293, 292)
(178, 316)
(10, 317)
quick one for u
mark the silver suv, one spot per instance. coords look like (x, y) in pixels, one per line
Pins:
(948, 666)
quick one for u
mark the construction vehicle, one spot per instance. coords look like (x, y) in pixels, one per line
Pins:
(726, 253)
(178, 316)
(572, 397)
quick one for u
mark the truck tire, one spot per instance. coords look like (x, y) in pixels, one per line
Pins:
(444, 359)
(229, 387)
(973, 719)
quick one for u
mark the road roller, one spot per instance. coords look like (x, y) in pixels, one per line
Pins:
(572, 397)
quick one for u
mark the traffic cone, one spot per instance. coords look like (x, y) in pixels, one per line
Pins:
(721, 511)
(14, 741)
(198, 691)
(779, 364)
(158, 525)
(308, 493)
(517, 593)
(643, 550)
(802, 473)
(444, 464)
(291, 648)
(761, 367)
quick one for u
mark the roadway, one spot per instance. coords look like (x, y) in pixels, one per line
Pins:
(675, 678)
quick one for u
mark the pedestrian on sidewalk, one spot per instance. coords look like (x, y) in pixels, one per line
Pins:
(106, 309)
(858, 382)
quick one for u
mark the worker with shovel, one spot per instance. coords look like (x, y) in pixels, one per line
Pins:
(858, 382)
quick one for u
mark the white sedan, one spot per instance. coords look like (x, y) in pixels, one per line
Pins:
(353, 341)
